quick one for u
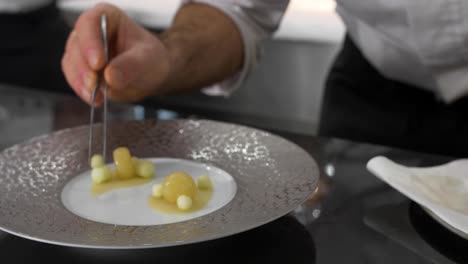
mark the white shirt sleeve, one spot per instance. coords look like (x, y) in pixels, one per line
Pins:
(424, 43)
(440, 31)
(256, 20)
(18, 6)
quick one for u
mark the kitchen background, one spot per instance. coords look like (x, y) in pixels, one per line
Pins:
(284, 92)
(286, 89)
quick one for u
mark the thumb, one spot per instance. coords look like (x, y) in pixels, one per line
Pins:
(88, 29)
(124, 68)
(127, 67)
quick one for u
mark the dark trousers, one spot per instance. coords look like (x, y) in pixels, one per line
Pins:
(31, 48)
(360, 104)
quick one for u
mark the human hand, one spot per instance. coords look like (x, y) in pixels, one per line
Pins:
(139, 63)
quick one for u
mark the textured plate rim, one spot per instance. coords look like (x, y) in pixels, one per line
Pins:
(316, 171)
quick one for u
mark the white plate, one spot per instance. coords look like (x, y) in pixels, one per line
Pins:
(441, 190)
(129, 206)
(45, 184)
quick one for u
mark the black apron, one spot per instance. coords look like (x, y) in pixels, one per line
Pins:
(360, 104)
(31, 49)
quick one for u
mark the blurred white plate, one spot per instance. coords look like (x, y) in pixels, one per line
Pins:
(442, 190)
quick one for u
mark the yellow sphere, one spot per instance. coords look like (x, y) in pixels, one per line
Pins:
(123, 163)
(177, 184)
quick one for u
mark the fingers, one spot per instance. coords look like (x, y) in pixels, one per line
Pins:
(145, 62)
(88, 29)
(137, 67)
(130, 94)
(79, 75)
(125, 68)
(122, 72)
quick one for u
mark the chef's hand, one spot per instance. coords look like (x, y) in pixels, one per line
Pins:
(139, 62)
(201, 47)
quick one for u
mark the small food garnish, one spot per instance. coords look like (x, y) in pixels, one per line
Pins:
(145, 169)
(204, 183)
(178, 194)
(157, 191)
(177, 184)
(97, 161)
(123, 163)
(115, 175)
(126, 167)
(101, 174)
(184, 202)
(135, 161)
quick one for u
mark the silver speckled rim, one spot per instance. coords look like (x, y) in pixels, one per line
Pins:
(274, 176)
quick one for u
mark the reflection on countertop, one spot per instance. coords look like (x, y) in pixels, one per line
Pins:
(282, 241)
(22, 117)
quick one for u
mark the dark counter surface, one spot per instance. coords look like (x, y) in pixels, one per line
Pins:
(352, 218)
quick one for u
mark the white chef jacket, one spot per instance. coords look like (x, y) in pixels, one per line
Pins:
(17, 6)
(420, 42)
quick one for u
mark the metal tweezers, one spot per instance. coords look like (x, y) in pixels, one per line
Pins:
(100, 83)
